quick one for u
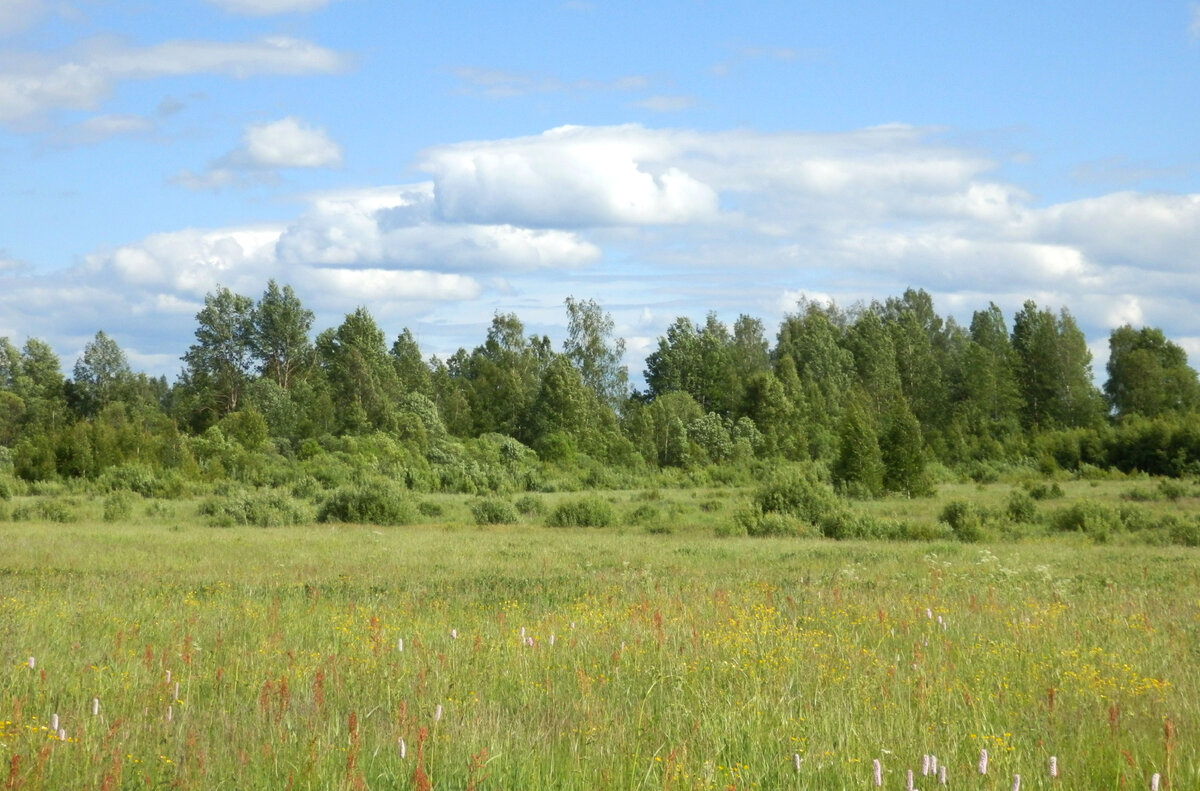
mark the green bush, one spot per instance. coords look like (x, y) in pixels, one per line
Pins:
(797, 492)
(964, 519)
(375, 502)
(529, 505)
(493, 511)
(753, 521)
(1172, 489)
(644, 514)
(1186, 531)
(581, 512)
(118, 506)
(430, 508)
(1020, 507)
(258, 508)
(7, 487)
(1044, 491)
(1091, 518)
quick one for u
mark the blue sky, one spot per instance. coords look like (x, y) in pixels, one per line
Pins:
(438, 162)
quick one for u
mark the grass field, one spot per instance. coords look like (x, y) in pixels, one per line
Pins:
(160, 653)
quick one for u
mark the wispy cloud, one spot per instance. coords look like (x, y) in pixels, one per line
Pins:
(500, 84)
(269, 7)
(1194, 22)
(666, 104)
(34, 84)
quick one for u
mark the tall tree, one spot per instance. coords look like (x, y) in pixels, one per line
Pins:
(1054, 370)
(362, 382)
(410, 366)
(279, 334)
(101, 373)
(592, 347)
(218, 365)
(1148, 375)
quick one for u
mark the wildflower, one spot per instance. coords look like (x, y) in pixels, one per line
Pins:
(32, 663)
(925, 767)
(1053, 767)
(908, 781)
(437, 713)
(54, 722)
(400, 645)
(1016, 783)
(983, 759)
(1154, 779)
(552, 638)
(402, 747)
(933, 764)
(453, 634)
(929, 613)
(62, 734)
(942, 775)
(168, 676)
(877, 769)
(522, 633)
(95, 707)
(170, 714)
(796, 761)
(529, 642)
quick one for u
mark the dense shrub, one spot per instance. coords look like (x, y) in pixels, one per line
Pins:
(964, 519)
(269, 508)
(47, 509)
(118, 506)
(1094, 519)
(797, 492)
(430, 508)
(493, 511)
(1020, 507)
(529, 505)
(581, 512)
(375, 502)
(1044, 491)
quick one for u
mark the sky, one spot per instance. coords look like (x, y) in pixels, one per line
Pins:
(439, 162)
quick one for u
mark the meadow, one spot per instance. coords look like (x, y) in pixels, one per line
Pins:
(158, 651)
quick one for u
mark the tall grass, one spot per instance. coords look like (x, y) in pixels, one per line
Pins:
(527, 657)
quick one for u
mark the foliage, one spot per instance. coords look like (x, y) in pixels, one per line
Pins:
(374, 502)
(581, 512)
(259, 508)
(493, 511)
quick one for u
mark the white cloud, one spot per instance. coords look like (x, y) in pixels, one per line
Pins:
(288, 143)
(268, 7)
(32, 85)
(396, 226)
(266, 148)
(569, 176)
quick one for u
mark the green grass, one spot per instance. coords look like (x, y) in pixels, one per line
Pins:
(678, 660)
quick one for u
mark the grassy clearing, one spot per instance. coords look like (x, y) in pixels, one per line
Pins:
(522, 656)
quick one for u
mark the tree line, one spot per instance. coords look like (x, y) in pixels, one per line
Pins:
(873, 394)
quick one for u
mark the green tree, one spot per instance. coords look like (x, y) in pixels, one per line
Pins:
(218, 365)
(278, 335)
(902, 452)
(363, 384)
(505, 375)
(101, 376)
(413, 372)
(858, 469)
(1148, 375)
(595, 351)
(1054, 370)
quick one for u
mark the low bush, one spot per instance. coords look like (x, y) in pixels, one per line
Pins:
(374, 502)
(581, 512)
(965, 520)
(493, 511)
(529, 505)
(1020, 507)
(118, 506)
(270, 508)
